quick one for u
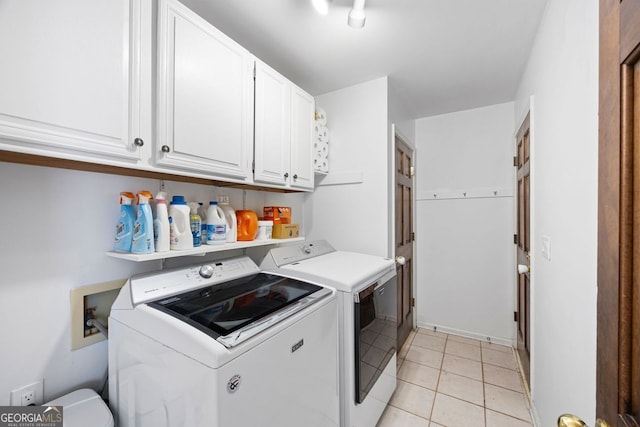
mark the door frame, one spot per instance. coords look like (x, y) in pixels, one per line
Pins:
(527, 109)
(614, 169)
(392, 207)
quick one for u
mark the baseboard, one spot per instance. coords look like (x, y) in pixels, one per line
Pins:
(467, 334)
(527, 391)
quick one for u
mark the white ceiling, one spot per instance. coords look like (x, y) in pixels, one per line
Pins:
(440, 55)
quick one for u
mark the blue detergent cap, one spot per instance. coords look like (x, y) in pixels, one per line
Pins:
(213, 203)
(178, 200)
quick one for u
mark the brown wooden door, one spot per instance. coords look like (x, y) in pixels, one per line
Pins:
(404, 238)
(618, 358)
(523, 239)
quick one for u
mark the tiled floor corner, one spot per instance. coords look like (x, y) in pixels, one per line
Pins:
(451, 381)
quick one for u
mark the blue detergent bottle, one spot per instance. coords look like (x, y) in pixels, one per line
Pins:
(124, 228)
(143, 226)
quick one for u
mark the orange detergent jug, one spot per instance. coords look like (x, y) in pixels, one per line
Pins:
(247, 225)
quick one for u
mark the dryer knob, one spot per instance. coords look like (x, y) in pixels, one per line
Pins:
(206, 271)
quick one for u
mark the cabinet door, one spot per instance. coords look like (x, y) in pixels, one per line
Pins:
(69, 78)
(302, 115)
(272, 126)
(204, 96)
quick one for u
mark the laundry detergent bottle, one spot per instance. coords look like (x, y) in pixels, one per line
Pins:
(124, 228)
(143, 241)
(161, 223)
(196, 224)
(230, 218)
(216, 225)
(202, 212)
(179, 225)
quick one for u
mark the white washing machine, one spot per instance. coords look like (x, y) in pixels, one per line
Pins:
(367, 307)
(222, 345)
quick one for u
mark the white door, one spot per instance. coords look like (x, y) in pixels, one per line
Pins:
(302, 116)
(204, 96)
(69, 78)
(272, 126)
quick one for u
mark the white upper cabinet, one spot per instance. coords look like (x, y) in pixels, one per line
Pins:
(205, 92)
(303, 109)
(283, 131)
(69, 78)
(272, 137)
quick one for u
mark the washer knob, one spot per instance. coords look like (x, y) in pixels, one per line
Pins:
(206, 271)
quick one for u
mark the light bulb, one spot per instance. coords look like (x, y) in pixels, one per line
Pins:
(321, 6)
(357, 18)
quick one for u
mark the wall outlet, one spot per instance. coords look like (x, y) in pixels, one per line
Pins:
(31, 394)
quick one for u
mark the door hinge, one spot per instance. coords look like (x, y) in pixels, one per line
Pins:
(413, 302)
(413, 236)
(515, 158)
(254, 70)
(515, 316)
(412, 171)
(253, 166)
(515, 239)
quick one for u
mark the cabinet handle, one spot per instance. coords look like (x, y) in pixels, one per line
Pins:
(286, 174)
(165, 149)
(138, 142)
(295, 176)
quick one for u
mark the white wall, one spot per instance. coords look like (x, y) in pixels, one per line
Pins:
(352, 213)
(56, 226)
(562, 77)
(400, 116)
(465, 278)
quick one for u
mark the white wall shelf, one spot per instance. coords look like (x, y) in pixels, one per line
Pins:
(200, 251)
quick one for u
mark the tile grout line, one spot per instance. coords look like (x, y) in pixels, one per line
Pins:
(484, 394)
(435, 394)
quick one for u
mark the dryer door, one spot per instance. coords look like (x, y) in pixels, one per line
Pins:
(375, 311)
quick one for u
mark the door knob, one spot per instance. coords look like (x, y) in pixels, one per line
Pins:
(570, 420)
(523, 269)
(400, 260)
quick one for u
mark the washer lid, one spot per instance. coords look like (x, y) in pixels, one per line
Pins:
(344, 271)
(233, 312)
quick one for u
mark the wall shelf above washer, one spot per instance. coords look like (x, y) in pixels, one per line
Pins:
(200, 251)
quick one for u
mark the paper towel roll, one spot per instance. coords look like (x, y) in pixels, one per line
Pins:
(323, 134)
(322, 149)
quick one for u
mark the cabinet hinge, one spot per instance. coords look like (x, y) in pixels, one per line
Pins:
(413, 302)
(515, 316)
(253, 166)
(254, 71)
(515, 159)
(515, 239)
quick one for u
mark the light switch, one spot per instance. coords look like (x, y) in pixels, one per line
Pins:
(546, 247)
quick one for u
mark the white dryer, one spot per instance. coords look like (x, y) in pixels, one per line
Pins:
(221, 345)
(367, 307)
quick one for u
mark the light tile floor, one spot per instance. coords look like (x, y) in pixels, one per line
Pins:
(446, 380)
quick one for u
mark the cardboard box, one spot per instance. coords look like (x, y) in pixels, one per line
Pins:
(285, 231)
(277, 214)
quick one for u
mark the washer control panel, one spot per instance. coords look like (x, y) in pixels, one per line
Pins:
(284, 255)
(165, 283)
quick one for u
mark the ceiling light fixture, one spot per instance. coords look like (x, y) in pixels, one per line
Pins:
(356, 15)
(321, 6)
